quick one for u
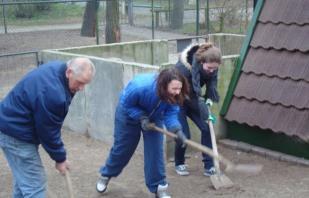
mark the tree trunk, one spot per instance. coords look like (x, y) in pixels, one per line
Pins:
(177, 14)
(89, 20)
(112, 30)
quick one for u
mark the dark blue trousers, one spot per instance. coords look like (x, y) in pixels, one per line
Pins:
(185, 112)
(126, 137)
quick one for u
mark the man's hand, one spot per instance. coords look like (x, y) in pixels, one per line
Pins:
(62, 167)
(145, 123)
(181, 138)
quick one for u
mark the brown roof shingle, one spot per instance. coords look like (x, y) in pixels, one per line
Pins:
(273, 88)
(291, 121)
(281, 36)
(284, 64)
(286, 92)
(289, 12)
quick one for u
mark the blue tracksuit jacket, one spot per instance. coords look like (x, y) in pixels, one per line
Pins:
(34, 110)
(140, 98)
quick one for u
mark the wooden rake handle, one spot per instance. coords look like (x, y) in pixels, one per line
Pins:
(69, 184)
(195, 145)
(230, 166)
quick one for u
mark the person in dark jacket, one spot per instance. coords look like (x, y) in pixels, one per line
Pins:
(32, 113)
(199, 64)
(148, 98)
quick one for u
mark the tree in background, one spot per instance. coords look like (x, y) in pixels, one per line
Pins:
(89, 19)
(177, 14)
(228, 13)
(112, 30)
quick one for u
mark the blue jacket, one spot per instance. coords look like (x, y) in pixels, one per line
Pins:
(140, 98)
(34, 110)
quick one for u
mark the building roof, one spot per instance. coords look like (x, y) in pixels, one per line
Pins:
(273, 88)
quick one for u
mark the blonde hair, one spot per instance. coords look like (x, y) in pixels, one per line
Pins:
(208, 53)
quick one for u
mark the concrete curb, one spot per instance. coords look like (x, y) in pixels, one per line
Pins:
(263, 152)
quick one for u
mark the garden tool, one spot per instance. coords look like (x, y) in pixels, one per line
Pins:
(68, 180)
(69, 184)
(218, 180)
(230, 166)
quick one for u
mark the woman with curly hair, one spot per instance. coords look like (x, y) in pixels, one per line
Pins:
(199, 64)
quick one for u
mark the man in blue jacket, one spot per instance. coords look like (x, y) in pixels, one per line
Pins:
(199, 64)
(32, 113)
(147, 98)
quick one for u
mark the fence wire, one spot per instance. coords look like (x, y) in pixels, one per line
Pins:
(34, 25)
(13, 68)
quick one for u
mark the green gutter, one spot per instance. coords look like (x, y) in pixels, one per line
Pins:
(240, 61)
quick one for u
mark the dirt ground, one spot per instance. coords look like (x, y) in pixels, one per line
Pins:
(278, 179)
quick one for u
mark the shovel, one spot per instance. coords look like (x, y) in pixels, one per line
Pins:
(218, 180)
(230, 166)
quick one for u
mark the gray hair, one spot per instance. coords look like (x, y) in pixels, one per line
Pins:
(78, 65)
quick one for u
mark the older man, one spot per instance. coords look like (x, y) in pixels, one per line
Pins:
(32, 113)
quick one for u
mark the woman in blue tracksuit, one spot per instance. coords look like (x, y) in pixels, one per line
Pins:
(199, 64)
(148, 98)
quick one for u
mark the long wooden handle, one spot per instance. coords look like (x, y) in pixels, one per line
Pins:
(69, 184)
(214, 145)
(197, 146)
(213, 141)
(230, 166)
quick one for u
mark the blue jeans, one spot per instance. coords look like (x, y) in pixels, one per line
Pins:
(186, 111)
(29, 177)
(126, 137)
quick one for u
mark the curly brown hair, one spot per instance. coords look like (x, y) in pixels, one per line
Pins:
(163, 80)
(208, 53)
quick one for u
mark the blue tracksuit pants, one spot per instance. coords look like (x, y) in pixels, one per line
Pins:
(185, 112)
(126, 137)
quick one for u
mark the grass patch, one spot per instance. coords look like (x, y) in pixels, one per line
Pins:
(58, 14)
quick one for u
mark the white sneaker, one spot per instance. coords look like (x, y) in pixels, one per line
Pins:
(102, 184)
(210, 172)
(182, 170)
(162, 191)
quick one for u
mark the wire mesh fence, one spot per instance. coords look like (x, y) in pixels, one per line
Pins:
(13, 67)
(34, 25)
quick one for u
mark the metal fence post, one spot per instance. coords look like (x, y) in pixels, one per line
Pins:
(4, 18)
(152, 25)
(197, 18)
(97, 31)
(130, 11)
(169, 12)
(207, 17)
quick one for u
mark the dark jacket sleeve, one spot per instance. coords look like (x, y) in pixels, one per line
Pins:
(196, 77)
(49, 116)
(211, 81)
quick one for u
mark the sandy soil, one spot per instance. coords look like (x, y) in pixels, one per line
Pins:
(278, 179)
